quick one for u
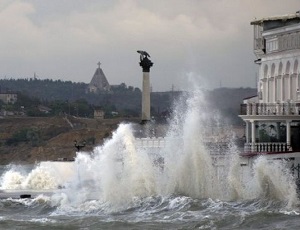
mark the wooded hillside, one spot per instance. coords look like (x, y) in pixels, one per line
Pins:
(71, 98)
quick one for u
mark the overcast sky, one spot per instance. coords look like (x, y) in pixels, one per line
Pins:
(64, 39)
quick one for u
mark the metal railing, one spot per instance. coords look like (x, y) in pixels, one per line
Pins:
(287, 108)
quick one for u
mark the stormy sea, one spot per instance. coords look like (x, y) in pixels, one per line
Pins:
(184, 184)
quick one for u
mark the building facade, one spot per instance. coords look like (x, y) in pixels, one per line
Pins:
(272, 117)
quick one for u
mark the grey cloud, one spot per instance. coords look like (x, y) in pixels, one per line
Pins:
(65, 39)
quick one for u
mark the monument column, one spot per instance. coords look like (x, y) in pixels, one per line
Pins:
(146, 64)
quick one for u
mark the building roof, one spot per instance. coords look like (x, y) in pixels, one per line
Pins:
(276, 18)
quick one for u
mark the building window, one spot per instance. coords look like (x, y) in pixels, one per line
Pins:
(272, 45)
(287, 69)
(265, 71)
(296, 66)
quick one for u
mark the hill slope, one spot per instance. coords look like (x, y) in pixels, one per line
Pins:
(27, 140)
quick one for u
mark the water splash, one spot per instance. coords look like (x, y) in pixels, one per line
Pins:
(119, 174)
(114, 173)
(273, 179)
(188, 164)
(45, 175)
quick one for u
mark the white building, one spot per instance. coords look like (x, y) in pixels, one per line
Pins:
(9, 97)
(99, 114)
(272, 117)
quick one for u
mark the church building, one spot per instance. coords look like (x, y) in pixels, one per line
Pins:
(99, 82)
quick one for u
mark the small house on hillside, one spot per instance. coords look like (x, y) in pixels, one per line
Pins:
(8, 97)
(99, 114)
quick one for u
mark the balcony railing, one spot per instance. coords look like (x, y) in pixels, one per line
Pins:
(287, 108)
(151, 142)
(267, 147)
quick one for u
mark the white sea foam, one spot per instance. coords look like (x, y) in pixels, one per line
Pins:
(43, 220)
(46, 175)
(12, 180)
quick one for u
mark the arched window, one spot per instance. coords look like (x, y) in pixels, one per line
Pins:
(280, 68)
(287, 68)
(294, 80)
(279, 83)
(265, 71)
(286, 82)
(271, 85)
(296, 66)
(273, 70)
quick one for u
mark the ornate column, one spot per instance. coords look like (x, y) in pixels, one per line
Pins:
(266, 100)
(146, 64)
(290, 86)
(248, 109)
(298, 88)
(288, 94)
(253, 135)
(247, 132)
(282, 88)
(275, 89)
(288, 133)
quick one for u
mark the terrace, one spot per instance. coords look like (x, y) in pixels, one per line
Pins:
(278, 109)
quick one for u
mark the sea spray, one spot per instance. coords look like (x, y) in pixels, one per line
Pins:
(11, 180)
(40, 178)
(188, 164)
(264, 179)
(115, 173)
(274, 180)
(120, 174)
(45, 175)
(134, 170)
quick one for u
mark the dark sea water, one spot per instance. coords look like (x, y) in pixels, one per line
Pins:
(103, 193)
(182, 185)
(176, 212)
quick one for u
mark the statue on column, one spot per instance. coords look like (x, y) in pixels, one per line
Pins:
(143, 54)
(145, 62)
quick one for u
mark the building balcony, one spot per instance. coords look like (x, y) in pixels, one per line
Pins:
(278, 109)
(267, 147)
